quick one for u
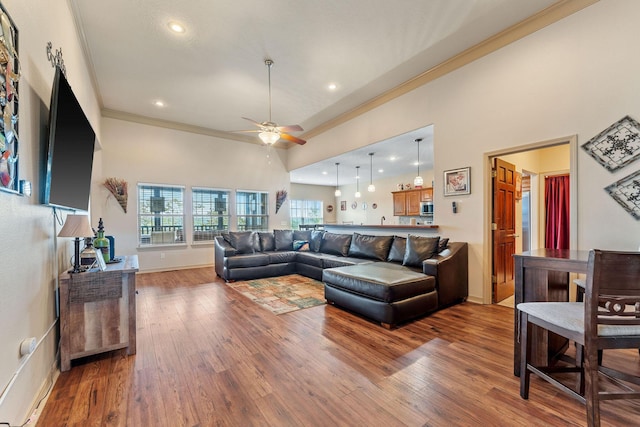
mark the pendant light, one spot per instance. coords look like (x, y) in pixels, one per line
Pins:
(358, 182)
(417, 182)
(371, 188)
(337, 193)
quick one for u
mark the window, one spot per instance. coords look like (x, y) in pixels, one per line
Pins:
(305, 212)
(160, 214)
(252, 210)
(210, 210)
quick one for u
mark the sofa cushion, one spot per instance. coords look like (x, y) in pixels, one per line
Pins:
(335, 244)
(310, 258)
(242, 241)
(284, 240)
(397, 250)
(247, 260)
(280, 257)
(442, 244)
(419, 248)
(331, 261)
(301, 245)
(372, 247)
(302, 235)
(316, 240)
(267, 242)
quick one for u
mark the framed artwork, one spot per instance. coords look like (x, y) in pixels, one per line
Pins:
(10, 71)
(343, 205)
(627, 193)
(457, 181)
(616, 146)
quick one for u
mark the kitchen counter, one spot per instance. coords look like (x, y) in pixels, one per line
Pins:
(372, 226)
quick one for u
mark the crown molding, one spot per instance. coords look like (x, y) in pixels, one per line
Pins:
(545, 17)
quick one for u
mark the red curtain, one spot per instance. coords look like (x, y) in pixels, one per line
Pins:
(556, 196)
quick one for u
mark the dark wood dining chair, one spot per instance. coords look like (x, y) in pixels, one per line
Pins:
(609, 318)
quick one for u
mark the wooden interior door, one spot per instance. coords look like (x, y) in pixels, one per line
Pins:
(504, 229)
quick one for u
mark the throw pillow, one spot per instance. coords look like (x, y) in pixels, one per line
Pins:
(284, 240)
(418, 249)
(316, 240)
(300, 245)
(398, 248)
(335, 244)
(371, 247)
(242, 241)
(302, 235)
(267, 242)
(442, 245)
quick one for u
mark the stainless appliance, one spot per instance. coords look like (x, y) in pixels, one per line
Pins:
(426, 208)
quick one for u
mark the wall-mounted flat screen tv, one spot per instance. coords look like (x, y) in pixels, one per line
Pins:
(70, 151)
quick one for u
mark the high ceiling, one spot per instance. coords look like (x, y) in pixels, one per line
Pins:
(213, 73)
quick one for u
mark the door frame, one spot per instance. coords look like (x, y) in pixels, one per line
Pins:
(572, 140)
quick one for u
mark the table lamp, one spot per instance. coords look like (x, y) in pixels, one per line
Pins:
(76, 226)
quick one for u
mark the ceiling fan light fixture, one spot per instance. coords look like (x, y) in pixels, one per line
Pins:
(269, 137)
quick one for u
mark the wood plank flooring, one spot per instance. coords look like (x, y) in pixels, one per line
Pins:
(207, 356)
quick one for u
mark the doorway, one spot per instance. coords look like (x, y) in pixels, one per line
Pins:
(531, 164)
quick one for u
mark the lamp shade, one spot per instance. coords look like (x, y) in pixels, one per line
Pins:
(76, 226)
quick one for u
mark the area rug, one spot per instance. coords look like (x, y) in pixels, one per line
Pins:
(282, 294)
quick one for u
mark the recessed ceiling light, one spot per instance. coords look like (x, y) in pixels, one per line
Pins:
(332, 86)
(158, 103)
(176, 27)
(392, 158)
(324, 172)
(380, 170)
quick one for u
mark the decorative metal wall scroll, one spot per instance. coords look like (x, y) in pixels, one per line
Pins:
(627, 193)
(616, 146)
(56, 59)
(9, 76)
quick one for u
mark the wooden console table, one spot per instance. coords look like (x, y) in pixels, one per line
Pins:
(543, 275)
(98, 311)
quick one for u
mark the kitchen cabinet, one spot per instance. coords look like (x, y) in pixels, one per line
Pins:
(407, 203)
(399, 203)
(426, 194)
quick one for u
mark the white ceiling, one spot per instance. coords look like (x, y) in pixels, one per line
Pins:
(213, 74)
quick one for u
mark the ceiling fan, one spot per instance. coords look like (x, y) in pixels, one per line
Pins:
(269, 132)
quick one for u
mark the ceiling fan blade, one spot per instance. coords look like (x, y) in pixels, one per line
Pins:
(290, 128)
(253, 121)
(292, 138)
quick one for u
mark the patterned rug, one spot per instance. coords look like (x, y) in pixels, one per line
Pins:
(282, 294)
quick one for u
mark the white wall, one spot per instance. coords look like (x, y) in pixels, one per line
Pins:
(28, 258)
(569, 78)
(316, 192)
(148, 154)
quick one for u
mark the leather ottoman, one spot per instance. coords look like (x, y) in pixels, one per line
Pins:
(385, 292)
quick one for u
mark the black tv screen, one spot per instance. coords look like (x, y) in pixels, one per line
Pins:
(70, 154)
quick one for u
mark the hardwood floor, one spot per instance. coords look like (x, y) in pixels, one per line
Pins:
(207, 356)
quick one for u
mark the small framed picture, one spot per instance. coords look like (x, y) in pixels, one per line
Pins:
(100, 263)
(343, 205)
(457, 181)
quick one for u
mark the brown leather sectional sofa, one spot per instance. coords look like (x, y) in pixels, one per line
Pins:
(389, 279)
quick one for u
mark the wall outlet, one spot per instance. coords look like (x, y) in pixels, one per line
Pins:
(161, 255)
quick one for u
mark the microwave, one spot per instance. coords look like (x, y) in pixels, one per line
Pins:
(426, 208)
